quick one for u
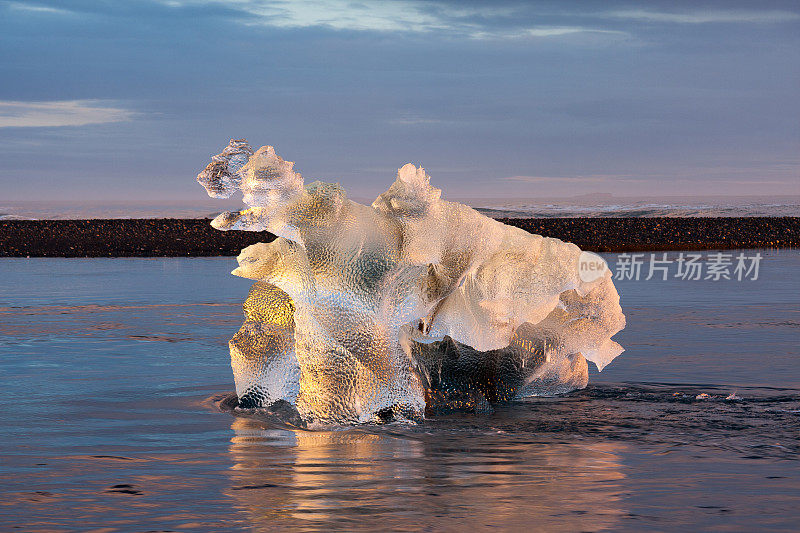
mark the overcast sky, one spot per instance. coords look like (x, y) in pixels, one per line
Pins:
(127, 100)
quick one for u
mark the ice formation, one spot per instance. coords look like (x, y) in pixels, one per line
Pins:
(374, 313)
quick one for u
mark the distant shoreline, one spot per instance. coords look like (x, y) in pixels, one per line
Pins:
(169, 237)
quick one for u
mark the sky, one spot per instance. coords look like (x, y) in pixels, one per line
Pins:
(125, 101)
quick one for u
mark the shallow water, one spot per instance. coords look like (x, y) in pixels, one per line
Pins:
(113, 371)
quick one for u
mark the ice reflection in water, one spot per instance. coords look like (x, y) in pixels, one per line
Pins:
(408, 479)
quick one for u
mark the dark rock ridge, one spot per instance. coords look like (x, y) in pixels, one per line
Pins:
(169, 237)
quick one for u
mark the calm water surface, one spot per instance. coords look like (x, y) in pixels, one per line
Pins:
(113, 370)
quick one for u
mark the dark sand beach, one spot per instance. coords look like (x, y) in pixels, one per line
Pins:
(167, 237)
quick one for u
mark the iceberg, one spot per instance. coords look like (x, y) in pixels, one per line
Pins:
(412, 305)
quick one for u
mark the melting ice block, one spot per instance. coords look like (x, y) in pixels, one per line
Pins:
(373, 313)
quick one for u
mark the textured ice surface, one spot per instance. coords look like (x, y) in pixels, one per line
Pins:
(372, 313)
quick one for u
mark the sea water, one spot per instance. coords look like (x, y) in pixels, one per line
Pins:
(114, 372)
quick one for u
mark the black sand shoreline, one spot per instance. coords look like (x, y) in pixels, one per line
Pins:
(196, 238)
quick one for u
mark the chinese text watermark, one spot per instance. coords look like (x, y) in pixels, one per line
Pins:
(714, 266)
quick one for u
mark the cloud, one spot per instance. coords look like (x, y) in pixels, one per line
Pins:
(38, 9)
(335, 14)
(555, 31)
(706, 17)
(476, 20)
(400, 16)
(414, 120)
(539, 32)
(592, 178)
(59, 113)
(345, 15)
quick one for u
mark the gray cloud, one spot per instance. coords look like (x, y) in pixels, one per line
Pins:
(59, 113)
(487, 21)
(708, 17)
(476, 19)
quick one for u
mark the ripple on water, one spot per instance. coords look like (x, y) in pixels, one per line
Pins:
(566, 461)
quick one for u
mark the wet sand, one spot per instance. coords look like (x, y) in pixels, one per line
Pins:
(196, 238)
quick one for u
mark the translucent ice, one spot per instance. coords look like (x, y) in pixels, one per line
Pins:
(372, 313)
